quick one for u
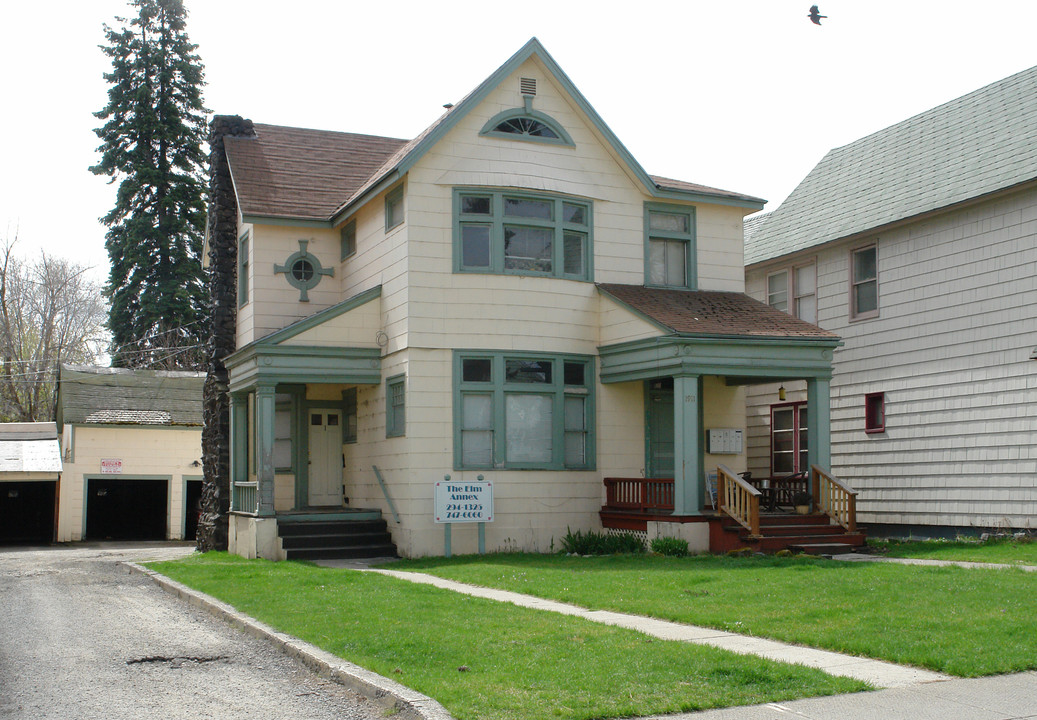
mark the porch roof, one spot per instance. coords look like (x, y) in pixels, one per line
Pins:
(706, 313)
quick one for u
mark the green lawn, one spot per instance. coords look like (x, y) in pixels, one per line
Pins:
(484, 659)
(965, 622)
(1012, 552)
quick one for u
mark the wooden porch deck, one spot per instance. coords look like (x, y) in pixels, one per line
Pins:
(747, 515)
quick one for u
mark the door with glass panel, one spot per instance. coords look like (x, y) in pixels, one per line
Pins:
(325, 462)
(789, 439)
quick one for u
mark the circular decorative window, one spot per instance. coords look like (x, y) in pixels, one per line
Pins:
(303, 270)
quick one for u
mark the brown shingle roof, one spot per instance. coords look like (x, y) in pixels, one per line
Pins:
(708, 312)
(300, 173)
(671, 184)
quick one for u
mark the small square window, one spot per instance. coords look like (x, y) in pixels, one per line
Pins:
(477, 370)
(393, 208)
(875, 412)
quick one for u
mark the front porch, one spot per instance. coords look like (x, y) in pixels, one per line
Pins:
(759, 515)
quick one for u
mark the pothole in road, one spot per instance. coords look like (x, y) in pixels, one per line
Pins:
(177, 661)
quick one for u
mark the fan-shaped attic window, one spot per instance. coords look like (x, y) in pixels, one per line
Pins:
(527, 124)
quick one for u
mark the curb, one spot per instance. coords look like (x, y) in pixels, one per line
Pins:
(389, 694)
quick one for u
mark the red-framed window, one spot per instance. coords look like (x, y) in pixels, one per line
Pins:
(875, 412)
(789, 438)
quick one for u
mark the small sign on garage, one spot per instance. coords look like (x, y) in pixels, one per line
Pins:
(111, 466)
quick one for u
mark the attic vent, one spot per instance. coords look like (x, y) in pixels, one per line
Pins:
(528, 86)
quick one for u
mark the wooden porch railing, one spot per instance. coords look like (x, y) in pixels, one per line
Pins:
(639, 494)
(245, 497)
(739, 499)
(833, 498)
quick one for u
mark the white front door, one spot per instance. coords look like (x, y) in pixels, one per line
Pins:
(325, 481)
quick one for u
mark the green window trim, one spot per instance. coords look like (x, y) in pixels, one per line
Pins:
(493, 388)
(349, 416)
(511, 232)
(527, 125)
(670, 246)
(303, 270)
(347, 240)
(243, 269)
(395, 406)
(394, 208)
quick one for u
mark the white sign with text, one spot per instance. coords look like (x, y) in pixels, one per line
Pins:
(460, 502)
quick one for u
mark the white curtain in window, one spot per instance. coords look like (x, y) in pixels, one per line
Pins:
(529, 428)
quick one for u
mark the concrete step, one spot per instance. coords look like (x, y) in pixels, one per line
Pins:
(827, 549)
(346, 552)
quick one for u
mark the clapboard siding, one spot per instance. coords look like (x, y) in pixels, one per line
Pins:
(951, 349)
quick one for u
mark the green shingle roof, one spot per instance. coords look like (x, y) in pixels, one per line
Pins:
(121, 396)
(978, 144)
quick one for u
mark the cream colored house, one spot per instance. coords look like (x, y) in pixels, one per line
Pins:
(131, 446)
(918, 246)
(508, 298)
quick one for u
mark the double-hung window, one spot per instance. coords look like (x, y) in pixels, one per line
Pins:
(395, 407)
(243, 270)
(523, 411)
(864, 283)
(522, 234)
(794, 291)
(670, 246)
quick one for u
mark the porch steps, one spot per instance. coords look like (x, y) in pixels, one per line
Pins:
(335, 536)
(811, 534)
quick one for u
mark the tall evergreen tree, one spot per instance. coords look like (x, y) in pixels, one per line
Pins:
(155, 124)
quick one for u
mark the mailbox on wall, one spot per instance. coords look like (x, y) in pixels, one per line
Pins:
(724, 441)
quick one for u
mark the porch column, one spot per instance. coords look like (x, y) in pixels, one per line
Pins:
(238, 445)
(687, 464)
(265, 394)
(819, 423)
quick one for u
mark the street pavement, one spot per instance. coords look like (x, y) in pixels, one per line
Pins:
(84, 637)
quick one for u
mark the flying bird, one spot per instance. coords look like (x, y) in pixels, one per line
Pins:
(815, 15)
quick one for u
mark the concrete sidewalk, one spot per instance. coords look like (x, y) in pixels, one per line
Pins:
(878, 673)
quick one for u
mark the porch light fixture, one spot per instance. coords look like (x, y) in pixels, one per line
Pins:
(781, 392)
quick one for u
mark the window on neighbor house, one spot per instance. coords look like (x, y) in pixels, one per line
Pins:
(347, 239)
(522, 234)
(243, 270)
(875, 412)
(395, 407)
(519, 411)
(393, 208)
(670, 246)
(864, 283)
(789, 438)
(794, 290)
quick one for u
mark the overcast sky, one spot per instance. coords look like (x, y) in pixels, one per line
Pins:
(745, 96)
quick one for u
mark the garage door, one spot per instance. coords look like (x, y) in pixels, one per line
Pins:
(126, 509)
(27, 512)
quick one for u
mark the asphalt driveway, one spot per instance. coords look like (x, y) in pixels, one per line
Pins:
(82, 636)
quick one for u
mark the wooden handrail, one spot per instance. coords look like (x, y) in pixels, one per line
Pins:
(834, 498)
(739, 499)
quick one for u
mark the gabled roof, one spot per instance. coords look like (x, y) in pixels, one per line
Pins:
(119, 396)
(29, 448)
(713, 314)
(978, 144)
(318, 176)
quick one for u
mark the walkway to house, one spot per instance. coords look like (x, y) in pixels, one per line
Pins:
(878, 673)
(852, 557)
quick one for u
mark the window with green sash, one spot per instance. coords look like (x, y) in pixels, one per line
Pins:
(670, 246)
(523, 411)
(518, 233)
(395, 407)
(243, 270)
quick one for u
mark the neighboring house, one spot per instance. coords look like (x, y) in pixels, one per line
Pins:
(918, 246)
(131, 444)
(507, 298)
(30, 464)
